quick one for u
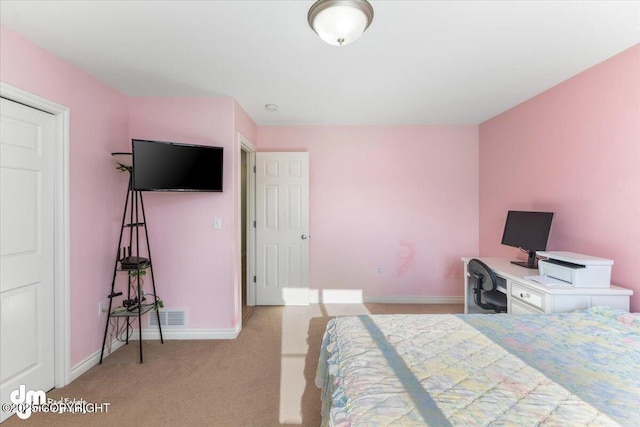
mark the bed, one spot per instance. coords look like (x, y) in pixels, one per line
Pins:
(579, 368)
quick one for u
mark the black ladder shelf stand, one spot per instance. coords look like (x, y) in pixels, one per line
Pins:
(130, 262)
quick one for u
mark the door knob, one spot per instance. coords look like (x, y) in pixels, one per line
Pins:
(304, 237)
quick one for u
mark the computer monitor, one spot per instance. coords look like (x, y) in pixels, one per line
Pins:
(528, 231)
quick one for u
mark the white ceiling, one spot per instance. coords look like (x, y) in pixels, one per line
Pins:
(420, 62)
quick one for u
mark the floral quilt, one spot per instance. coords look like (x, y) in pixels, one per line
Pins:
(579, 368)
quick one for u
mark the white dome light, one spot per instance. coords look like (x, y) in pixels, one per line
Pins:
(340, 22)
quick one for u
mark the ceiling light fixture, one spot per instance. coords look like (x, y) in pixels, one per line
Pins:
(340, 22)
(271, 108)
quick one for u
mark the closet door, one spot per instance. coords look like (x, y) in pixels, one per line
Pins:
(26, 249)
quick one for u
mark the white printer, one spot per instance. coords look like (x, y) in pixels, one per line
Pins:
(581, 271)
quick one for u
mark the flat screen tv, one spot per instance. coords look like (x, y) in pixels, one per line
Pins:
(528, 231)
(169, 166)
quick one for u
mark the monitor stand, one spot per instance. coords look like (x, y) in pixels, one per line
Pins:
(531, 261)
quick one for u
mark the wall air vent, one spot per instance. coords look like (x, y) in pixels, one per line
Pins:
(168, 319)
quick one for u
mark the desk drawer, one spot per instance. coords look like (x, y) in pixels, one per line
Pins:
(521, 308)
(527, 295)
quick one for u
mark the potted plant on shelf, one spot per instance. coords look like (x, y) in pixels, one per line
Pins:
(141, 271)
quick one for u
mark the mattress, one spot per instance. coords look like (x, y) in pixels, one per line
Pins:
(579, 368)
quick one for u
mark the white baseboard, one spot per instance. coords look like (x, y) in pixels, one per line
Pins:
(188, 334)
(355, 296)
(335, 296)
(295, 296)
(414, 300)
(153, 334)
(92, 361)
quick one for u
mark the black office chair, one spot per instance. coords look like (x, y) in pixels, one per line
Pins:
(485, 283)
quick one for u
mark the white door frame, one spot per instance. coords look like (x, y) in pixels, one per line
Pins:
(246, 146)
(61, 225)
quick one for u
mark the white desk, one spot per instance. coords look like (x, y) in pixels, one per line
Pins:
(527, 296)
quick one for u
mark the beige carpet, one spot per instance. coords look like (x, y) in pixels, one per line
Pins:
(265, 377)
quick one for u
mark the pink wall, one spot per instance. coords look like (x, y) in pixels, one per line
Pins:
(99, 126)
(573, 150)
(244, 124)
(402, 198)
(194, 264)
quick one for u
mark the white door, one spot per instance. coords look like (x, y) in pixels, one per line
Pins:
(282, 228)
(26, 249)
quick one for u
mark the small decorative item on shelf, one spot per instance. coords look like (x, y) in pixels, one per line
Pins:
(136, 268)
(138, 275)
